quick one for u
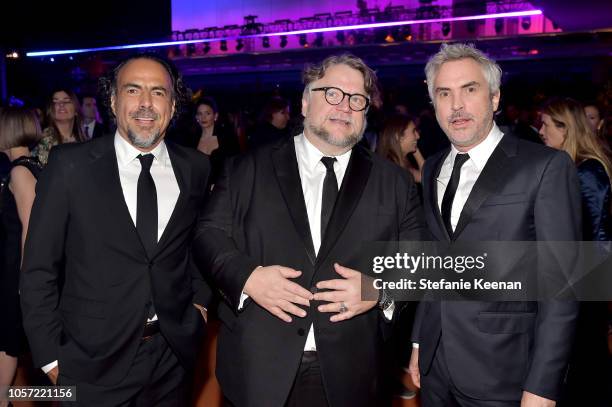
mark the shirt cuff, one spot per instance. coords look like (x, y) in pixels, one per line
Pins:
(243, 298)
(48, 367)
(415, 345)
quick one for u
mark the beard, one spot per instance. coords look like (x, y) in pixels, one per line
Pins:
(140, 141)
(347, 141)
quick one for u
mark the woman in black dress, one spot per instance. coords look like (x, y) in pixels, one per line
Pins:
(212, 138)
(19, 130)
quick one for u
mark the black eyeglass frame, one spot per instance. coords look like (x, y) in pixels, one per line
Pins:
(344, 95)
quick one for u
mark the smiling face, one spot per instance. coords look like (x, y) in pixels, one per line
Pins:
(463, 103)
(205, 116)
(552, 134)
(143, 103)
(63, 107)
(408, 139)
(334, 129)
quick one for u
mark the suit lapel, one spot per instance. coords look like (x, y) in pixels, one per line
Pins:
(106, 175)
(182, 172)
(287, 174)
(491, 179)
(430, 192)
(355, 180)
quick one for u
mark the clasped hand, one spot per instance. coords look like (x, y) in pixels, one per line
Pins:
(271, 287)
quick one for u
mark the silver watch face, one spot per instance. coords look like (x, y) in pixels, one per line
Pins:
(385, 304)
(385, 301)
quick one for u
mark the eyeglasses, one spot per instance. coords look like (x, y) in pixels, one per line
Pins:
(335, 96)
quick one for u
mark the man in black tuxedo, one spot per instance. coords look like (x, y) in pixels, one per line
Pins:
(91, 126)
(283, 238)
(113, 219)
(491, 187)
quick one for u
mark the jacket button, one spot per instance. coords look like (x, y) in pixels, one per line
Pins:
(301, 331)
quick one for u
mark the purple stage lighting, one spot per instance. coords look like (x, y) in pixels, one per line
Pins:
(295, 32)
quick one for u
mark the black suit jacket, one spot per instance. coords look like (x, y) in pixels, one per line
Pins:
(494, 350)
(257, 216)
(98, 131)
(81, 231)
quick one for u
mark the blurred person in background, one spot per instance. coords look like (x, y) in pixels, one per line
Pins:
(565, 126)
(273, 122)
(398, 143)
(19, 130)
(92, 126)
(210, 137)
(64, 123)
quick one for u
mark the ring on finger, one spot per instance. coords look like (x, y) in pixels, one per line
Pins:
(343, 307)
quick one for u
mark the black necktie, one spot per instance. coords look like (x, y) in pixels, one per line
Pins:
(146, 211)
(330, 192)
(451, 189)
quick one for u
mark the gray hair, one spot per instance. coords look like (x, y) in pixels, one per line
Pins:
(453, 52)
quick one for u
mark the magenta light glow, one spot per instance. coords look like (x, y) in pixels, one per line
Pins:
(295, 32)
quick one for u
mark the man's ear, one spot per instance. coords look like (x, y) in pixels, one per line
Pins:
(495, 100)
(305, 101)
(112, 105)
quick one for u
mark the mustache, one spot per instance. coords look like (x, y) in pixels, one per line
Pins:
(345, 119)
(144, 113)
(460, 115)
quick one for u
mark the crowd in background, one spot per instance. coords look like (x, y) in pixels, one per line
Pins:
(398, 132)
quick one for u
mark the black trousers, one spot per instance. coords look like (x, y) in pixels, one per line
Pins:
(308, 389)
(156, 378)
(438, 390)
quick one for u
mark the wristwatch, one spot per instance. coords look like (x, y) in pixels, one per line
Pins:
(384, 300)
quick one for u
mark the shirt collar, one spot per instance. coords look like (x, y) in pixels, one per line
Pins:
(310, 156)
(127, 153)
(480, 154)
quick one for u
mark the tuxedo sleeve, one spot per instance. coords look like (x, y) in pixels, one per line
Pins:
(415, 335)
(411, 229)
(557, 216)
(412, 223)
(202, 292)
(43, 259)
(216, 248)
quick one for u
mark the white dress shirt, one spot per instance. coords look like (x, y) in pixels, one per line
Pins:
(312, 175)
(470, 171)
(162, 173)
(165, 184)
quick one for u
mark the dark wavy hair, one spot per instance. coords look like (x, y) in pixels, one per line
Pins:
(181, 95)
(388, 145)
(207, 101)
(275, 104)
(77, 124)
